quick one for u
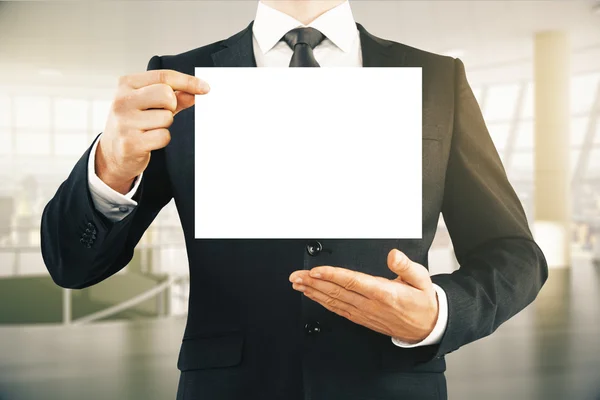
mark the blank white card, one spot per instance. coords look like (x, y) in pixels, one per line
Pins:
(308, 153)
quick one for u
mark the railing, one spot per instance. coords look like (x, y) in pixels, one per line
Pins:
(161, 289)
(17, 251)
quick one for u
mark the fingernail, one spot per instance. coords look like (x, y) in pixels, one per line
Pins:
(203, 86)
(300, 288)
(397, 257)
(298, 280)
(315, 274)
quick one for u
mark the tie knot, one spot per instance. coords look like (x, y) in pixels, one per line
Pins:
(310, 36)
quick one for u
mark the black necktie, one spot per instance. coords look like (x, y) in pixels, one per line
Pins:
(303, 41)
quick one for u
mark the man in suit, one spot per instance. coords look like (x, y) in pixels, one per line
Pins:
(304, 319)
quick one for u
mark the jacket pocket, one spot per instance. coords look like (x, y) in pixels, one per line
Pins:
(431, 132)
(214, 351)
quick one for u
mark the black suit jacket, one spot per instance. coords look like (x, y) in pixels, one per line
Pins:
(247, 334)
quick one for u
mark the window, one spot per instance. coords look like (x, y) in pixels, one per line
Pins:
(597, 133)
(100, 109)
(5, 111)
(525, 136)
(478, 92)
(579, 127)
(32, 112)
(71, 114)
(68, 144)
(583, 92)
(593, 167)
(573, 160)
(528, 103)
(5, 141)
(30, 143)
(499, 134)
(501, 102)
(522, 165)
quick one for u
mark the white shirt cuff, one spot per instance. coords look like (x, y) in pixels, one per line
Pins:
(110, 203)
(437, 333)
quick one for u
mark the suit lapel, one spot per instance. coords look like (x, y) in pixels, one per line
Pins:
(238, 51)
(377, 52)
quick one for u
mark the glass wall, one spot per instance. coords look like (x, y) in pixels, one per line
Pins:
(42, 135)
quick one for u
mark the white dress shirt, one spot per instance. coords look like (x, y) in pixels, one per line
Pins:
(340, 48)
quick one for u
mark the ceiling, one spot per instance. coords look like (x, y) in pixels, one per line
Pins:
(109, 38)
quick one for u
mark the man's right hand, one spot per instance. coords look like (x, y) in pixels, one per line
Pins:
(138, 122)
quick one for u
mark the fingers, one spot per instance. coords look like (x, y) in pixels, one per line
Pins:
(346, 310)
(155, 139)
(408, 271)
(151, 119)
(176, 80)
(331, 289)
(158, 95)
(366, 285)
(335, 305)
(139, 118)
(151, 97)
(144, 114)
(184, 100)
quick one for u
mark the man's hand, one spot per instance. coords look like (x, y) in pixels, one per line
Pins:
(138, 122)
(405, 308)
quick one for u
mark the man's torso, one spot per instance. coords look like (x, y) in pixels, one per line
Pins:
(247, 330)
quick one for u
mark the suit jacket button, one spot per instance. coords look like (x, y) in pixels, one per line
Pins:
(312, 328)
(314, 247)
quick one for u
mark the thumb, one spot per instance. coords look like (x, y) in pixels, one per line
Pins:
(184, 100)
(408, 271)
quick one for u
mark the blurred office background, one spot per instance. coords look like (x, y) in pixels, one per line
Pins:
(59, 63)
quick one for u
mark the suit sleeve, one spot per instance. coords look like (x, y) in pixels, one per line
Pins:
(501, 269)
(82, 247)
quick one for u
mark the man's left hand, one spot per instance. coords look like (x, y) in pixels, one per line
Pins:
(405, 308)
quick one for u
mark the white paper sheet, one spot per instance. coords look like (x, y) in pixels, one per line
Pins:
(308, 153)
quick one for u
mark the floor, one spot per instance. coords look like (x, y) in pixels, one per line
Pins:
(551, 350)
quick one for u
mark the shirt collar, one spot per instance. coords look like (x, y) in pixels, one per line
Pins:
(337, 25)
